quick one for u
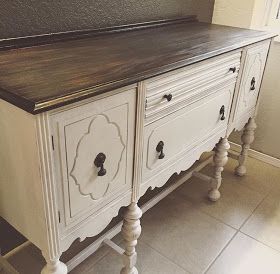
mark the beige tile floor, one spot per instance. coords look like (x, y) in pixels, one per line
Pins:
(185, 233)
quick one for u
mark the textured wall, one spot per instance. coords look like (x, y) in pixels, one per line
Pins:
(30, 17)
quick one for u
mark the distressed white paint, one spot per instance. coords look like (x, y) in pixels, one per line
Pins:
(220, 159)
(189, 84)
(80, 134)
(247, 139)
(131, 231)
(253, 69)
(192, 126)
(52, 177)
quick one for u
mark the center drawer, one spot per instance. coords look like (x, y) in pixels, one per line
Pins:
(169, 139)
(169, 92)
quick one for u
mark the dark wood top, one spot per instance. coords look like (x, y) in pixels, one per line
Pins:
(39, 78)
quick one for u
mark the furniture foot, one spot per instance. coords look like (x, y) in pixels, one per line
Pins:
(54, 266)
(247, 139)
(131, 231)
(220, 159)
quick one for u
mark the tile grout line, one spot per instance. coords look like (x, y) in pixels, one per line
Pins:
(222, 250)
(218, 221)
(154, 249)
(245, 221)
(208, 214)
(221, 221)
(252, 189)
(250, 215)
(239, 231)
(101, 257)
(104, 253)
(278, 251)
(248, 187)
(216, 218)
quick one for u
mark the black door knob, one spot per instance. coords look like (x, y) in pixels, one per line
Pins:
(159, 149)
(168, 97)
(222, 113)
(233, 69)
(99, 162)
(253, 83)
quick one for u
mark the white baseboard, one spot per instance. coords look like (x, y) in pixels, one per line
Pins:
(257, 155)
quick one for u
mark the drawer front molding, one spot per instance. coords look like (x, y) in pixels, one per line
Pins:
(185, 86)
(182, 163)
(184, 130)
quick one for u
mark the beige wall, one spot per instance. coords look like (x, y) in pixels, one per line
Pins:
(249, 14)
(239, 13)
(233, 12)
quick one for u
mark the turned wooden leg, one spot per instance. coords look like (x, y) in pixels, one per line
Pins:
(54, 266)
(131, 231)
(220, 159)
(247, 139)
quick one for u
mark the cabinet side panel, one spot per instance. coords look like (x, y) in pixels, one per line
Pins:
(21, 198)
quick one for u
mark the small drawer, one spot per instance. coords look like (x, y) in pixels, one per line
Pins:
(94, 158)
(171, 91)
(169, 139)
(254, 64)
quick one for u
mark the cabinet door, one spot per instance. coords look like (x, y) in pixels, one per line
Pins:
(251, 78)
(96, 153)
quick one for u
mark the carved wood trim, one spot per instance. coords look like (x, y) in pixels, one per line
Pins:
(182, 163)
(139, 140)
(49, 186)
(91, 133)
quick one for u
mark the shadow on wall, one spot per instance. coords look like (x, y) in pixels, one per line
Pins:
(23, 18)
(268, 118)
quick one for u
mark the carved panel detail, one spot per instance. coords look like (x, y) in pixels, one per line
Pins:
(255, 71)
(102, 136)
(251, 79)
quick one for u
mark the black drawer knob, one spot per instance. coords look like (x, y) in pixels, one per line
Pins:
(159, 149)
(168, 97)
(99, 162)
(253, 83)
(233, 69)
(222, 113)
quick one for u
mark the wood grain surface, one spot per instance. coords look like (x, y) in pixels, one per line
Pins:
(42, 77)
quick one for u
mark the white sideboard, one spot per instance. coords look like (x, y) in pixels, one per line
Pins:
(66, 172)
